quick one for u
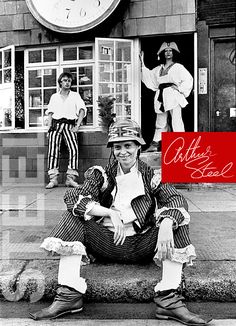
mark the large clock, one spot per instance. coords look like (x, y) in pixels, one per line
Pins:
(71, 16)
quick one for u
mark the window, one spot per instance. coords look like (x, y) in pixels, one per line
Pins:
(7, 73)
(105, 68)
(115, 73)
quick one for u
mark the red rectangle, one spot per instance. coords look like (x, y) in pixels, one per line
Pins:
(199, 157)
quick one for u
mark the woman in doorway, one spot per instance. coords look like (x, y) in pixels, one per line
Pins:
(172, 83)
(118, 223)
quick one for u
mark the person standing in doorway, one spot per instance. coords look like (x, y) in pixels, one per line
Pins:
(66, 110)
(172, 83)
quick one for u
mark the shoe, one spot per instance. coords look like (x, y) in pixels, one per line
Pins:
(70, 181)
(170, 306)
(154, 147)
(66, 301)
(52, 183)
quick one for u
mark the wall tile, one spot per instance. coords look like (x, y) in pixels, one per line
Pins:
(172, 24)
(151, 25)
(164, 7)
(136, 10)
(188, 23)
(10, 7)
(150, 8)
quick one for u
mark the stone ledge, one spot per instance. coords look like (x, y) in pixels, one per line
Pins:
(32, 280)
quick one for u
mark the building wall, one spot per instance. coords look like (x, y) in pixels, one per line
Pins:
(24, 154)
(132, 18)
(215, 18)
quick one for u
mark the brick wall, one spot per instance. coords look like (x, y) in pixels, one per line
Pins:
(24, 156)
(132, 18)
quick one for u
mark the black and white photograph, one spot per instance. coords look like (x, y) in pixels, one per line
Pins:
(117, 162)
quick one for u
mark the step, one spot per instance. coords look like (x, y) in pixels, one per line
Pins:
(36, 279)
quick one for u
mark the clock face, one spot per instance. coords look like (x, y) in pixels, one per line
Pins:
(71, 16)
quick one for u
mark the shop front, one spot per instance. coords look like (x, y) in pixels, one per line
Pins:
(99, 44)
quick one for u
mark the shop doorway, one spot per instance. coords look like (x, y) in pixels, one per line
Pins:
(223, 108)
(150, 46)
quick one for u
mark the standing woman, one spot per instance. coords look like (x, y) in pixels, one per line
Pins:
(172, 83)
(117, 223)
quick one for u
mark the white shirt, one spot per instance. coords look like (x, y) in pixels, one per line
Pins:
(172, 98)
(129, 186)
(66, 106)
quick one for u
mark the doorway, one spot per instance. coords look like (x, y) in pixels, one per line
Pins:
(150, 46)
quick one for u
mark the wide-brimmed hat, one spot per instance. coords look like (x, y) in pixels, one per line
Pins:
(124, 130)
(170, 45)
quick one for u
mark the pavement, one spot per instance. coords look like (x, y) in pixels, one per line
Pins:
(27, 214)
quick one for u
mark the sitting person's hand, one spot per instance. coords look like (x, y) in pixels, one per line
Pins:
(119, 234)
(165, 241)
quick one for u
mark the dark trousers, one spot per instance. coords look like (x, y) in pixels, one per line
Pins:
(99, 242)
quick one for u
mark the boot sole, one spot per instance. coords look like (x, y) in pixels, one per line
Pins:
(58, 315)
(180, 321)
(68, 312)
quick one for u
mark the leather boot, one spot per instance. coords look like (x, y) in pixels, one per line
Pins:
(154, 147)
(70, 181)
(53, 181)
(170, 306)
(67, 300)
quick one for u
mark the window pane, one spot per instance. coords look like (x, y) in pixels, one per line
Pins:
(49, 55)
(106, 50)
(35, 118)
(118, 110)
(106, 72)
(73, 72)
(85, 75)
(35, 98)
(87, 94)
(69, 54)
(85, 53)
(0, 60)
(35, 78)
(7, 58)
(7, 75)
(88, 120)
(49, 77)
(47, 93)
(106, 89)
(35, 56)
(123, 51)
(0, 77)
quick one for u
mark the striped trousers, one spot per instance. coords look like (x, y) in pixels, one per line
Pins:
(54, 143)
(99, 241)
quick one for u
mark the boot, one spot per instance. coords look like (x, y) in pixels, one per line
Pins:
(67, 300)
(170, 306)
(70, 181)
(53, 181)
(154, 147)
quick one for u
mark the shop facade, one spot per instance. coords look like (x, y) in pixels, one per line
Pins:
(104, 60)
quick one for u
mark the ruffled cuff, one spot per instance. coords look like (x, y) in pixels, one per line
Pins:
(179, 215)
(66, 248)
(181, 255)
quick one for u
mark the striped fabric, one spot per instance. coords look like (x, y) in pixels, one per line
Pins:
(99, 242)
(70, 137)
(143, 206)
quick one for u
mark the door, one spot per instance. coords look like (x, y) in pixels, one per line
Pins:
(7, 88)
(116, 75)
(223, 85)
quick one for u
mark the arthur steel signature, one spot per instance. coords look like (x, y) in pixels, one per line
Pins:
(200, 162)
